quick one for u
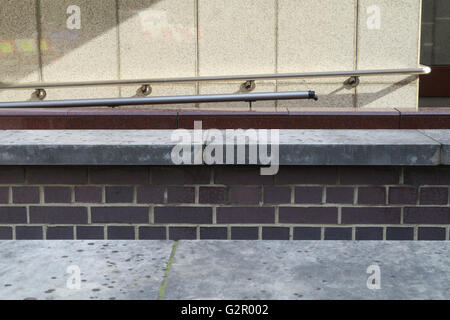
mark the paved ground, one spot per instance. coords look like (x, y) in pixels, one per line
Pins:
(223, 269)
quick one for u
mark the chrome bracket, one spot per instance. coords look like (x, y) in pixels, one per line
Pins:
(248, 85)
(146, 89)
(40, 94)
(351, 82)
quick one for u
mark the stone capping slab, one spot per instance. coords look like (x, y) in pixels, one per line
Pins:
(153, 147)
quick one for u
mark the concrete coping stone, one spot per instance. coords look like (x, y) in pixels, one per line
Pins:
(295, 147)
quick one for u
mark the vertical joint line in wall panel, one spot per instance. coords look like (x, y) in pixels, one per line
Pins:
(276, 49)
(151, 217)
(10, 200)
(433, 32)
(448, 234)
(89, 214)
(165, 194)
(134, 194)
(197, 232)
(291, 233)
(39, 37)
(259, 233)
(228, 232)
(416, 232)
(136, 232)
(119, 67)
(355, 100)
(384, 233)
(355, 195)
(214, 215)
(75, 236)
(44, 232)
(322, 233)
(105, 232)
(197, 52)
(14, 232)
(103, 194)
(353, 233)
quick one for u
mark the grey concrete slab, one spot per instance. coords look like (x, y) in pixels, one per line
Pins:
(309, 270)
(108, 269)
(443, 137)
(154, 147)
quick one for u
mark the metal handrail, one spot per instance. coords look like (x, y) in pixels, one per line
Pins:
(114, 102)
(249, 85)
(275, 76)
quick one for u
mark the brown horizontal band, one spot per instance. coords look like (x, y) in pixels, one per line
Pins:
(427, 118)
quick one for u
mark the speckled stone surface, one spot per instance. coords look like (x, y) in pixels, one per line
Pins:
(109, 269)
(309, 270)
(154, 147)
(443, 137)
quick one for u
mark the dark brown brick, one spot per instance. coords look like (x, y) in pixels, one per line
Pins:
(121, 233)
(182, 233)
(385, 215)
(369, 233)
(213, 195)
(245, 215)
(306, 233)
(433, 195)
(275, 233)
(180, 194)
(58, 194)
(245, 195)
(213, 233)
(119, 194)
(29, 233)
(308, 195)
(90, 232)
(240, 175)
(427, 215)
(312, 215)
(372, 195)
(13, 215)
(57, 175)
(118, 175)
(58, 215)
(399, 233)
(124, 214)
(431, 233)
(152, 233)
(340, 195)
(198, 215)
(306, 175)
(149, 194)
(12, 175)
(25, 194)
(180, 175)
(88, 194)
(4, 194)
(402, 195)
(332, 233)
(370, 175)
(427, 175)
(277, 195)
(59, 233)
(244, 233)
(6, 233)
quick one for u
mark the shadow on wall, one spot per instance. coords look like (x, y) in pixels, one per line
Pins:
(61, 30)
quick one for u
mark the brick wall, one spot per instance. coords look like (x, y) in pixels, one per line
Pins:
(309, 203)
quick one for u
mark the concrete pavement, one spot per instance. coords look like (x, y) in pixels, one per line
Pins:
(224, 269)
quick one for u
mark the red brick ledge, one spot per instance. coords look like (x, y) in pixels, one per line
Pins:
(102, 118)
